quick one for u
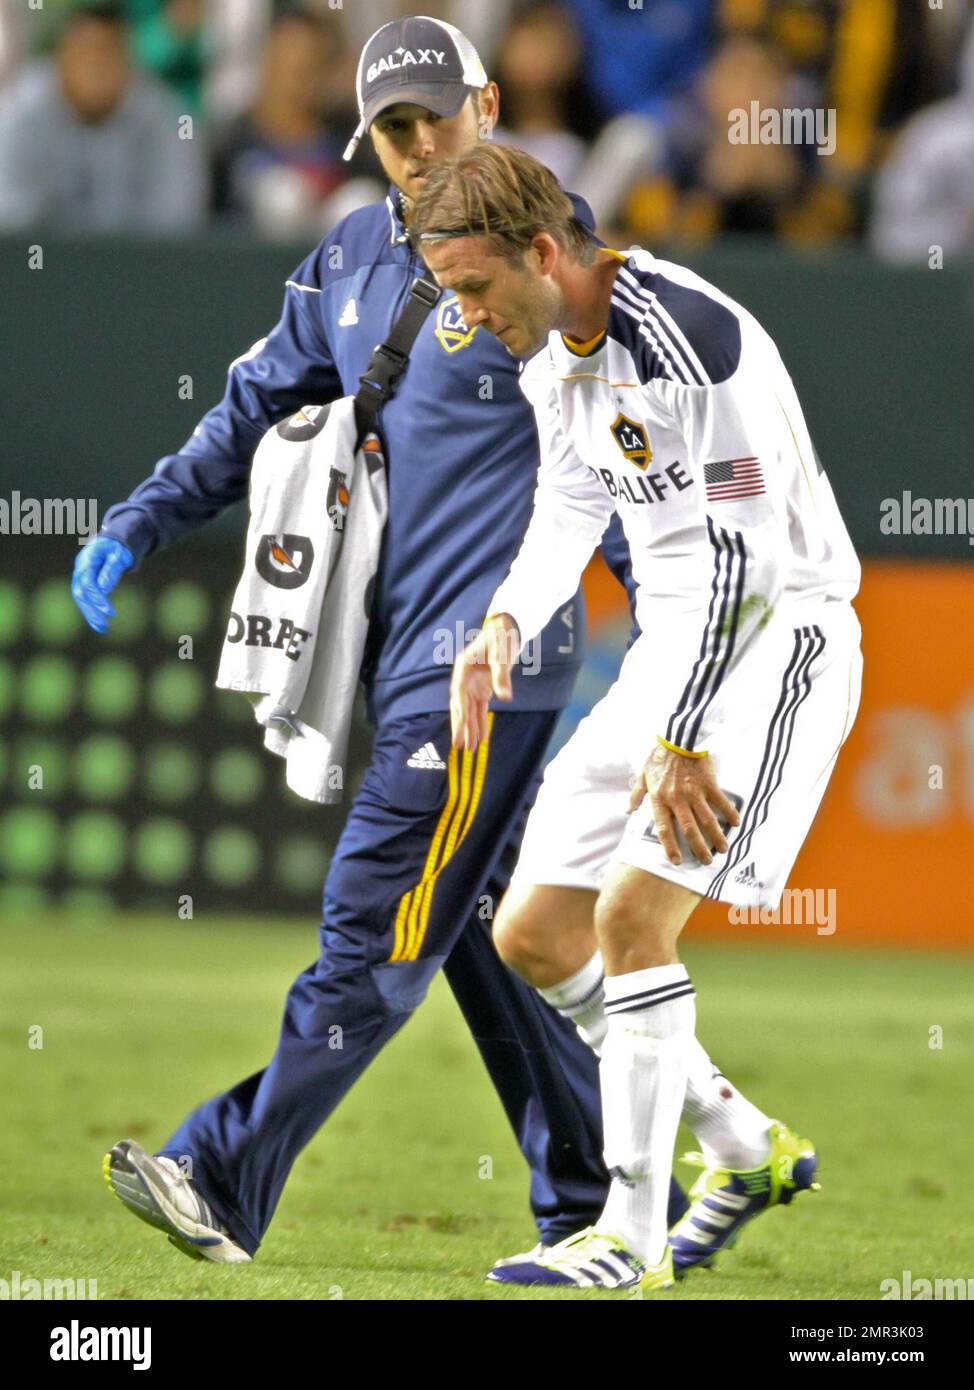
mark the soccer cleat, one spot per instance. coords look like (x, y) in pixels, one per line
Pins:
(589, 1260)
(724, 1200)
(656, 1277)
(158, 1193)
(527, 1257)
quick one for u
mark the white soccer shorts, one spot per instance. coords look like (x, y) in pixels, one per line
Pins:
(773, 756)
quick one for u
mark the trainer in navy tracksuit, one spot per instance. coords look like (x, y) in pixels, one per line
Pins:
(433, 834)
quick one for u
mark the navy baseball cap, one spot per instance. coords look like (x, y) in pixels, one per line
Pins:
(421, 60)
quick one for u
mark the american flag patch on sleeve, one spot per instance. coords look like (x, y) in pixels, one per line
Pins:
(731, 479)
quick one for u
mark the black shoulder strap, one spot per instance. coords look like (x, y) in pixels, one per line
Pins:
(389, 360)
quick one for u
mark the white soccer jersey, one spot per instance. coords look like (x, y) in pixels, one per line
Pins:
(684, 420)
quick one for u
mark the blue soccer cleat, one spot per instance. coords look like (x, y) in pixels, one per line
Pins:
(157, 1192)
(527, 1257)
(724, 1200)
(678, 1206)
(589, 1260)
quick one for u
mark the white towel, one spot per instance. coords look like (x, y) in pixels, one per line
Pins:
(300, 617)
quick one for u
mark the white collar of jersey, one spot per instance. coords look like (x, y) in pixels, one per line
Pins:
(568, 361)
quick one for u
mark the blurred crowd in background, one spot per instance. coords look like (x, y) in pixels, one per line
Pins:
(165, 116)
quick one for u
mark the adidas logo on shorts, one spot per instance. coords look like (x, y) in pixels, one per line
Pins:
(748, 877)
(428, 758)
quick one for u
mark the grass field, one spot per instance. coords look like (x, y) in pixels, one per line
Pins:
(142, 1021)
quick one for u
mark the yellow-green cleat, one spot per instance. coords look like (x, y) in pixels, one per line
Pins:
(724, 1200)
(589, 1260)
(657, 1277)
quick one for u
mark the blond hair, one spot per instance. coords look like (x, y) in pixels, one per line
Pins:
(502, 194)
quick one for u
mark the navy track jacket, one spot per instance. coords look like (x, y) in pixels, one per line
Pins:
(462, 453)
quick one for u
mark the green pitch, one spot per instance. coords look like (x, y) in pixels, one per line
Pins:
(415, 1185)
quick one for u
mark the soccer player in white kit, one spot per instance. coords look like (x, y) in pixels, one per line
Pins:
(699, 773)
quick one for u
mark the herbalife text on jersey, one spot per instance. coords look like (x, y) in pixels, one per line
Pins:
(49, 516)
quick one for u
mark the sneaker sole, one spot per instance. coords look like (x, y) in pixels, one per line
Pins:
(132, 1188)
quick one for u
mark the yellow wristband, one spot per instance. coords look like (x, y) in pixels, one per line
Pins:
(675, 748)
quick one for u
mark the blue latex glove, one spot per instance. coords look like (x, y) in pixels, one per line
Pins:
(98, 568)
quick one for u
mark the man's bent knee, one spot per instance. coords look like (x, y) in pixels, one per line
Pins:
(545, 932)
(638, 919)
(519, 934)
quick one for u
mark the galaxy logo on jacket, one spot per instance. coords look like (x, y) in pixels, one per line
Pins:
(451, 331)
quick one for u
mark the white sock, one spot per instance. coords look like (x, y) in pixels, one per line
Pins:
(651, 1016)
(732, 1131)
(581, 998)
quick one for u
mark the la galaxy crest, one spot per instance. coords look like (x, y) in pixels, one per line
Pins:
(632, 439)
(451, 331)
